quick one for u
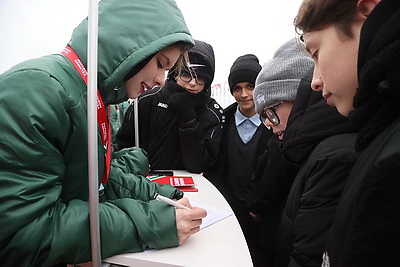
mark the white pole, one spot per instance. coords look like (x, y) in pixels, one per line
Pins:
(136, 120)
(92, 133)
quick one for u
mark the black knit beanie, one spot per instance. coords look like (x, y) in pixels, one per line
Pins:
(244, 69)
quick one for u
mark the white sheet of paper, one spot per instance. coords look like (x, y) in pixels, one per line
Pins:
(214, 215)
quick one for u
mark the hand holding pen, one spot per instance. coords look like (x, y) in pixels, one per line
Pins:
(188, 220)
(170, 202)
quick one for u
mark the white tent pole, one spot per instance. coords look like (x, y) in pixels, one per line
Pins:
(92, 133)
(136, 120)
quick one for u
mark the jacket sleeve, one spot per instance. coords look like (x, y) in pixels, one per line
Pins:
(39, 227)
(322, 190)
(271, 181)
(44, 230)
(200, 142)
(373, 232)
(127, 178)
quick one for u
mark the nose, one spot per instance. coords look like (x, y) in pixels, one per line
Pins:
(159, 79)
(192, 82)
(317, 83)
(267, 123)
(243, 93)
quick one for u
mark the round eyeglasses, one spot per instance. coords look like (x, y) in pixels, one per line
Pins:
(187, 77)
(270, 114)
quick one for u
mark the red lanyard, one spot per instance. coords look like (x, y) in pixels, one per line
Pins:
(102, 118)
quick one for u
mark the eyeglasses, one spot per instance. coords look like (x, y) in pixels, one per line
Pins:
(187, 77)
(270, 114)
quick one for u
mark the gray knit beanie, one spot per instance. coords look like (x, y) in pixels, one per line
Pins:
(280, 77)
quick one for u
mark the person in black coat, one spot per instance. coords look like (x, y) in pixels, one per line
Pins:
(303, 179)
(321, 141)
(180, 125)
(365, 231)
(244, 139)
(277, 82)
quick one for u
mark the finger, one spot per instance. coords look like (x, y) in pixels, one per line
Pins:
(185, 201)
(199, 213)
(196, 223)
(194, 230)
(183, 236)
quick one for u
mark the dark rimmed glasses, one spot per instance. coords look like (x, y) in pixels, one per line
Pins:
(187, 77)
(270, 114)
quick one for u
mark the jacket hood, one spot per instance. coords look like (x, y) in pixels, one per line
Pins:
(376, 99)
(311, 120)
(129, 31)
(205, 52)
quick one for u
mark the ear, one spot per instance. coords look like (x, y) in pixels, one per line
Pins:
(365, 7)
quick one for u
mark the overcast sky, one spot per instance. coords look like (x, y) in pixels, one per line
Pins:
(32, 28)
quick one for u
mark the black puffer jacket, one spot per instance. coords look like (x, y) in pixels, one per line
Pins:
(169, 143)
(310, 122)
(366, 229)
(318, 133)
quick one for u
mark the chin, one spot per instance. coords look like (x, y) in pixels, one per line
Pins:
(133, 95)
(343, 111)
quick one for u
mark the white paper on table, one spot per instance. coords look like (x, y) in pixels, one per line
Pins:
(214, 215)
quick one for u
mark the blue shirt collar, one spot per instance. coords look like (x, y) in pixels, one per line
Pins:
(240, 118)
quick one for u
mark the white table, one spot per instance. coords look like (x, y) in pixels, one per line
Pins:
(221, 244)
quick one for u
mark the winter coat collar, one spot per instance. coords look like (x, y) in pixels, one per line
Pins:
(311, 121)
(377, 98)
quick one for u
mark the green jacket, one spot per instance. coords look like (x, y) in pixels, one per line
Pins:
(117, 113)
(44, 209)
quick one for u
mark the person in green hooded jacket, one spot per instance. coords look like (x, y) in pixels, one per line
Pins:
(44, 195)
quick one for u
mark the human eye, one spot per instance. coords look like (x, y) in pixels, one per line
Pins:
(269, 112)
(185, 75)
(160, 64)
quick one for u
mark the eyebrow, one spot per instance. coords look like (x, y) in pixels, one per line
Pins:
(246, 85)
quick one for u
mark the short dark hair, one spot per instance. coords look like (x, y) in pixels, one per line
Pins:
(317, 14)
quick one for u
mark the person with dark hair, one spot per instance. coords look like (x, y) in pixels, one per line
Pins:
(244, 139)
(356, 55)
(180, 125)
(44, 193)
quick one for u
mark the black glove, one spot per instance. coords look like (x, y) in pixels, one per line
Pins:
(183, 104)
